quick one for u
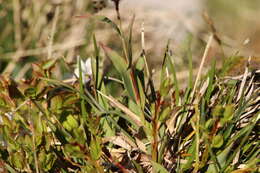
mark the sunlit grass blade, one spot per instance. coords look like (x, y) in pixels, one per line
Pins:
(126, 74)
(134, 118)
(81, 85)
(171, 68)
(110, 22)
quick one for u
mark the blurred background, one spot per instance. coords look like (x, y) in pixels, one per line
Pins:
(32, 30)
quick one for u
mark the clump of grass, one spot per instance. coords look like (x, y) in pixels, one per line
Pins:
(48, 125)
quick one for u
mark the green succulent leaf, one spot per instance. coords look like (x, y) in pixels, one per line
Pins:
(95, 148)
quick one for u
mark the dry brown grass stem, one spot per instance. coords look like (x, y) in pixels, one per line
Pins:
(242, 86)
(38, 51)
(43, 50)
(202, 63)
(135, 118)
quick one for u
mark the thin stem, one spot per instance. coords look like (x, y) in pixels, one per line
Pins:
(143, 50)
(202, 64)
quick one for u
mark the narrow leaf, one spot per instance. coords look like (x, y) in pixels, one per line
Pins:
(135, 118)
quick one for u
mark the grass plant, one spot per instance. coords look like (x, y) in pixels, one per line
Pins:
(50, 125)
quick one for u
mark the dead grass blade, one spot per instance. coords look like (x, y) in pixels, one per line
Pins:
(135, 118)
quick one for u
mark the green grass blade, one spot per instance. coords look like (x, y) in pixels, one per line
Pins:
(130, 44)
(96, 73)
(158, 168)
(110, 22)
(81, 85)
(127, 75)
(175, 80)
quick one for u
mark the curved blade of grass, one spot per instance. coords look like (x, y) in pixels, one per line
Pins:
(172, 70)
(127, 75)
(110, 22)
